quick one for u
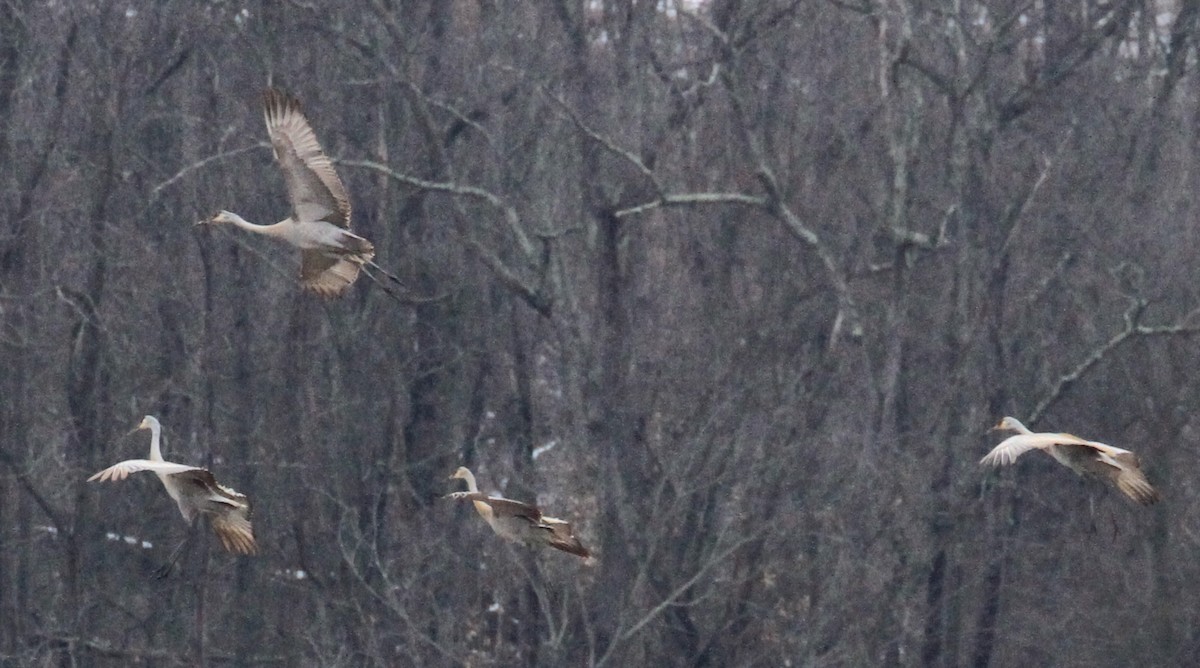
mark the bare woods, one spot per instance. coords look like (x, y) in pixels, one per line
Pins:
(737, 287)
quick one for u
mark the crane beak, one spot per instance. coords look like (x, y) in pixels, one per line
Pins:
(997, 427)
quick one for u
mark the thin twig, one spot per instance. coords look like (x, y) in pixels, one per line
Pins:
(687, 199)
(199, 164)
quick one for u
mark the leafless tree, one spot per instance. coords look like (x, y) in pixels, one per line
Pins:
(736, 286)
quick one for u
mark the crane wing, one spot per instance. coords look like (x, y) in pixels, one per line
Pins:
(324, 275)
(235, 532)
(510, 508)
(523, 522)
(203, 480)
(1119, 467)
(121, 470)
(1108, 452)
(313, 186)
(1133, 483)
(1007, 451)
(562, 538)
(502, 507)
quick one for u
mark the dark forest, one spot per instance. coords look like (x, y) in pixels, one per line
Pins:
(736, 287)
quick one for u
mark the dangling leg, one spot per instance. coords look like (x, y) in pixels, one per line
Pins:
(165, 570)
(403, 299)
(367, 272)
(385, 272)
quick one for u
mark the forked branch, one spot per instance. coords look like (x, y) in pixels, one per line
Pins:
(1132, 328)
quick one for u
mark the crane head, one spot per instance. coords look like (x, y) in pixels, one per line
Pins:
(148, 422)
(461, 473)
(217, 218)
(1007, 424)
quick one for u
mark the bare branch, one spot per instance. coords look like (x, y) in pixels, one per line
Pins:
(777, 205)
(1131, 329)
(774, 203)
(680, 591)
(706, 24)
(22, 477)
(604, 141)
(105, 649)
(865, 9)
(536, 298)
(511, 217)
(1016, 213)
(199, 164)
(687, 199)
(663, 199)
(1053, 275)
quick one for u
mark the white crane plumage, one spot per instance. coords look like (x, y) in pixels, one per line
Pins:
(1118, 467)
(519, 522)
(195, 491)
(330, 254)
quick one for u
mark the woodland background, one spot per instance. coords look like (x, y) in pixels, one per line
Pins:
(738, 287)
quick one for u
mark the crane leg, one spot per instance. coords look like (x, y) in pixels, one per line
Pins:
(385, 272)
(403, 299)
(165, 570)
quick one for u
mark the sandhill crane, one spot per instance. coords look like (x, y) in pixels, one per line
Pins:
(1118, 467)
(330, 254)
(196, 492)
(519, 522)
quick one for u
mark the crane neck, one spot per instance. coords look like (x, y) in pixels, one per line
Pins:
(273, 230)
(485, 510)
(1022, 429)
(470, 478)
(155, 437)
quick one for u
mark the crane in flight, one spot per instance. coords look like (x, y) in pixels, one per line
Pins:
(1119, 468)
(196, 492)
(519, 522)
(331, 256)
